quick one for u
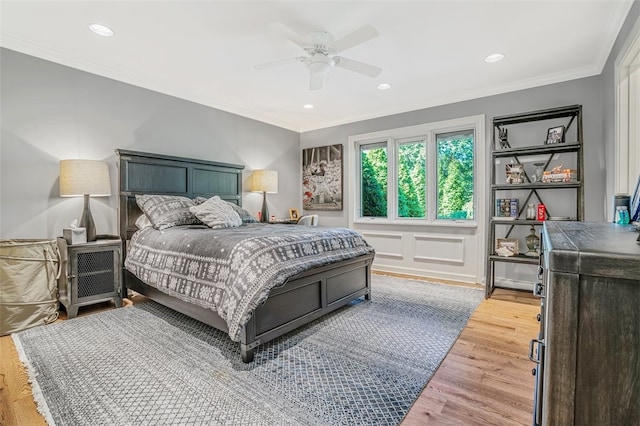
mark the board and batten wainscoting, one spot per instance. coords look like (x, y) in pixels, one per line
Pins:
(446, 249)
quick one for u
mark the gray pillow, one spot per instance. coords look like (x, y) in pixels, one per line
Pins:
(243, 213)
(167, 211)
(217, 213)
(245, 216)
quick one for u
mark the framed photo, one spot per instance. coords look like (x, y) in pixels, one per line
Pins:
(293, 214)
(507, 247)
(322, 178)
(514, 173)
(555, 135)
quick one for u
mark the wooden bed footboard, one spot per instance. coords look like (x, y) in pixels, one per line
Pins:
(302, 299)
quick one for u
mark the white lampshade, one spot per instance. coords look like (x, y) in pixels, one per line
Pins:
(80, 177)
(264, 181)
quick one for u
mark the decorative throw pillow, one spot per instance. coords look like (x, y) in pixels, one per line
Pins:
(167, 211)
(217, 213)
(243, 213)
(143, 222)
(199, 200)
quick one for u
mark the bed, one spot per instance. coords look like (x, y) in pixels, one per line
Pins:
(308, 294)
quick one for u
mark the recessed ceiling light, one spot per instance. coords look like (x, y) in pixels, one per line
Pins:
(384, 86)
(307, 106)
(496, 57)
(101, 30)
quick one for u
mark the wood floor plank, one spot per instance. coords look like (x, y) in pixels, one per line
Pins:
(484, 380)
(494, 345)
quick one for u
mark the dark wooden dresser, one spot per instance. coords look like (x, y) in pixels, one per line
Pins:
(588, 352)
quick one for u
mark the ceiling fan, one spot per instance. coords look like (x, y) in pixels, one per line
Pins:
(322, 53)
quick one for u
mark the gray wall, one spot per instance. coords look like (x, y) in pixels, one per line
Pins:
(585, 91)
(51, 112)
(609, 92)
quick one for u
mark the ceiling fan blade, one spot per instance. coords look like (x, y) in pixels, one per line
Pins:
(290, 34)
(357, 66)
(278, 63)
(353, 39)
(315, 81)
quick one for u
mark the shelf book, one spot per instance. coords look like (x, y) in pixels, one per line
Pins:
(506, 208)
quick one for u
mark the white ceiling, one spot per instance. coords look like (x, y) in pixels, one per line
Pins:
(432, 52)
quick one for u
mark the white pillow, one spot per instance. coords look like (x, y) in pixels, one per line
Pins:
(216, 213)
(143, 222)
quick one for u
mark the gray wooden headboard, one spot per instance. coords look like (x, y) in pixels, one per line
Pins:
(145, 173)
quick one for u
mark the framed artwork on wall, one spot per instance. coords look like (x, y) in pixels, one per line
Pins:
(322, 178)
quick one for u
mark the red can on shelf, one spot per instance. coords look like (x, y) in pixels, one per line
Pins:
(542, 212)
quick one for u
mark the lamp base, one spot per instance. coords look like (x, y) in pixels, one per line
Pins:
(264, 214)
(86, 221)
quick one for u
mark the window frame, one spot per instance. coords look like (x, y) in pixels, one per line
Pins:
(627, 131)
(427, 132)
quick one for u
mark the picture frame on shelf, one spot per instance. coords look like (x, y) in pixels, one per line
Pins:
(507, 247)
(294, 214)
(555, 135)
(515, 173)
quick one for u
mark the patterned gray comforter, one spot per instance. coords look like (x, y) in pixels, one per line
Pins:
(231, 271)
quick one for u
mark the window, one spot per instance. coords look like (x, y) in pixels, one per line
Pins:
(455, 175)
(420, 174)
(627, 138)
(412, 178)
(373, 185)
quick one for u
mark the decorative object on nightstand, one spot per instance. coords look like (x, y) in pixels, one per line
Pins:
(87, 178)
(90, 273)
(264, 181)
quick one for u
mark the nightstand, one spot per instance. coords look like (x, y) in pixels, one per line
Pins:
(90, 273)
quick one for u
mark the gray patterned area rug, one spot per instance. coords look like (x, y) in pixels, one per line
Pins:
(147, 365)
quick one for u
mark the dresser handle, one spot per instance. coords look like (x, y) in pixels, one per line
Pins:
(538, 289)
(531, 343)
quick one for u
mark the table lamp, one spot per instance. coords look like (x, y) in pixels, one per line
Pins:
(87, 178)
(264, 181)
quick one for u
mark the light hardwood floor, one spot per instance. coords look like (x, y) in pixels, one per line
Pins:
(484, 380)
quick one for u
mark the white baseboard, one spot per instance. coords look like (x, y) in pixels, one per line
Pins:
(513, 284)
(424, 273)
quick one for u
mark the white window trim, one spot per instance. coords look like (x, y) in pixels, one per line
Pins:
(627, 130)
(428, 131)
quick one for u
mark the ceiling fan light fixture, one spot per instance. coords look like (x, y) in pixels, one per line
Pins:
(101, 30)
(320, 64)
(495, 57)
